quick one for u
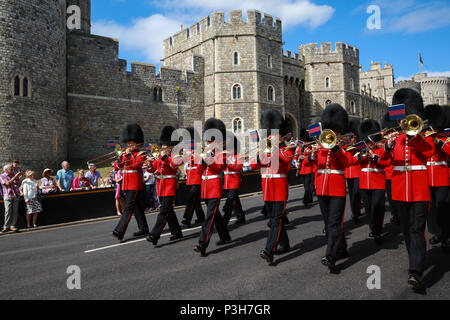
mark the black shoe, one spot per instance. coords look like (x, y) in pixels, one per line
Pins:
(435, 240)
(222, 242)
(266, 256)
(176, 237)
(378, 239)
(151, 238)
(329, 262)
(394, 220)
(141, 233)
(415, 280)
(199, 221)
(239, 221)
(117, 235)
(186, 223)
(201, 249)
(282, 250)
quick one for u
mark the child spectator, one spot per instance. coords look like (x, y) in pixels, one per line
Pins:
(29, 188)
(47, 184)
(81, 182)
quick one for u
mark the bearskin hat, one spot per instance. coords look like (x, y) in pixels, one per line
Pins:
(133, 132)
(285, 128)
(213, 123)
(411, 99)
(232, 142)
(447, 114)
(165, 138)
(271, 120)
(193, 134)
(304, 135)
(335, 118)
(437, 116)
(353, 126)
(367, 128)
(386, 123)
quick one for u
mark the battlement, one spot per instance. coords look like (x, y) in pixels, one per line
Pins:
(342, 52)
(288, 58)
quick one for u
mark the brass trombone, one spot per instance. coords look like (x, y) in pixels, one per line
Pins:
(118, 152)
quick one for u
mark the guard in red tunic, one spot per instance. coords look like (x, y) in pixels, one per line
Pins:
(165, 168)
(211, 167)
(306, 168)
(438, 217)
(232, 177)
(410, 185)
(352, 175)
(131, 165)
(274, 166)
(330, 184)
(194, 181)
(372, 180)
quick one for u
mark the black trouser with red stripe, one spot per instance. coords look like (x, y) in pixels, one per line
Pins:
(392, 208)
(438, 219)
(413, 217)
(134, 203)
(213, 219)
(233, 203)
(355, 196)
(374, 204)
(333, 211)
(194, 204)
(308, 182)
(166, 215)
(277, 233)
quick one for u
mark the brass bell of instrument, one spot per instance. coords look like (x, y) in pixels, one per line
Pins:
(327, 139)
(412, 125)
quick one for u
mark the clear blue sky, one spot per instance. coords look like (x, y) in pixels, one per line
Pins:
(407, 27)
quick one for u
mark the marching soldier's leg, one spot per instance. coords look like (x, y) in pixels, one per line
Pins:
(432, 219)
(240, 215)
(403, 210)
(337, 245)
(277, 227)
(207, 228)
(367, 202)
(228, 206)
(307, 197)
(324, 210)
(392, 208)
(198, 205)
(190, 206)
(130, 200)
(379, 203)
(161, 219)
(172, 221)
(221, 227)
(418, 241)
(442, 208)
(139, 214)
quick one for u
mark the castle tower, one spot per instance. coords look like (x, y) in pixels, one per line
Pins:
(85, 11)
(33, 83)
(243, 64)
(331, 76)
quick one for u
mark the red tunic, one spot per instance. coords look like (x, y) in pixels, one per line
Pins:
(438, 168)
(354, 170)
(306, 167)
(274, 175)
(232, 174)
(388, 171)
(194, 177)
(211, 179)
(372, 173)
(166, 174)
(410, 175)
(132, 170)
(330, 179)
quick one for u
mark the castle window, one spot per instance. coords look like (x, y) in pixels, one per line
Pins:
(269, 61)
(364, 88)
(160, 94)
(270, 94)
(155, 94)
(236, 58)
(352, 85)
(198, 28)
(237, 125)
(353, 107)
(17, 86)
(171, 41)
(237, 92)
(25, 88)
(187, 33)
(327, 82)
(208, 21)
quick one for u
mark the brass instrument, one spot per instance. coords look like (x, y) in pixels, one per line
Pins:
(328, 139)
(412, 125)
(110, 156)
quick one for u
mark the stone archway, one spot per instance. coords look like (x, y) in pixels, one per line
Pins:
(293, 126)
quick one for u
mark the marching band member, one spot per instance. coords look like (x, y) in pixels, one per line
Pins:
(372, 181)
(352, 175)
(232, 182)
(306, 168)
(194, 181)
(410, 186)
(438, 221)
(274, 182)
(330, 185)
(130, 164)
(212, 165)
(165, 168)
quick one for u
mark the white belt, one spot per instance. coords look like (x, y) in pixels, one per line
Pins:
(410, 168)
(129, 171)
(432, 163)
(330, 171)
(372, 170)
(190, 168)
(231, 172)
(167, 177)
(270, 176)
(210, 177)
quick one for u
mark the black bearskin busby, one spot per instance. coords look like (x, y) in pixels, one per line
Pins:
(304, 136)
(165, 138)
(367, 128)
(411, 99)
(232, 143)
(353, 126)
(386, 123)
(193, 134)
(133, 132)
(213, 123)
(272, 120)
(437, 117)
(335, 118)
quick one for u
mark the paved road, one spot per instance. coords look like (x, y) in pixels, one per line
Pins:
(34, 264)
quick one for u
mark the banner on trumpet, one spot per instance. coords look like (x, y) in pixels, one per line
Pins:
(315, 130)
(397, 112)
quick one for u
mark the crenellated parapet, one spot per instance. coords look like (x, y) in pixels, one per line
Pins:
(342, 53)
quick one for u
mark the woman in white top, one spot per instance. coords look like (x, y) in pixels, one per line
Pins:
(30, 191)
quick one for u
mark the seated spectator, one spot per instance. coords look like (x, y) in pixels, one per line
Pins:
(81, 182)
(94, 176)
(11, 195)
(64, 177)
(29, 188)
(47, 184)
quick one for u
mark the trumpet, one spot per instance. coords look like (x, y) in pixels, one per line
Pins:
(329, 140)
(117, 153)
(412, 125)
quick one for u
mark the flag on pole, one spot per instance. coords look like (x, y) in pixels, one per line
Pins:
(315, 129)
(112, 144)
(254, 135)
(420, 59)
(192, 145)
(300, 143)
(148, 147)
(397, 112)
